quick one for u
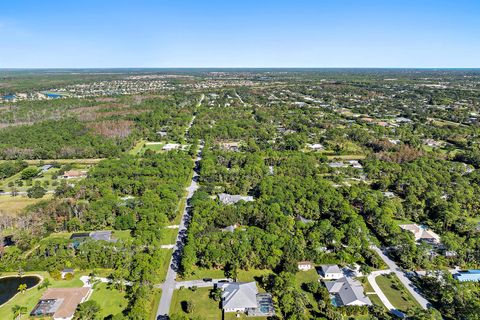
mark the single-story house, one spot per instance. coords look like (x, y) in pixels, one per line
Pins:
(305, 265)
(355, 164)
(45, 168)
(315, 146)
(60, 303)
(330, 271)
(231, 228)
(244, 297)
(338, 164)
(238, 296)
(226, 198)
(74, 174)
(469, 275)
(171, 146)
(105, 235)
(347, 292)
(422, 233)
(67, 271)
(230, 146)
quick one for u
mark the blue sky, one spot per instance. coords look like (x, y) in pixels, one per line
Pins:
(261, 33)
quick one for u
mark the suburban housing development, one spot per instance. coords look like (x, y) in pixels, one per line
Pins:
(250, 193)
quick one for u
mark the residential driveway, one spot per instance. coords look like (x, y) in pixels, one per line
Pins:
(380, 294)
(401, 275)
(200, 283)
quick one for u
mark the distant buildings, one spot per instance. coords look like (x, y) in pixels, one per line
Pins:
(60, 303)
(45, 168)
(422, 233)
(226, 198)
(67, 271)
(94, 235)
(171, 146)
(305, 265)
(74, 174)
(315, 146)
(469, 275)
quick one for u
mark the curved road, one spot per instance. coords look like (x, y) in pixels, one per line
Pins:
(403, 279)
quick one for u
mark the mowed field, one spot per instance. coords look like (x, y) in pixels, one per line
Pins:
(14, 205)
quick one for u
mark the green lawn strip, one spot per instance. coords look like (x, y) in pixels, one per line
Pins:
(111, 301)
(136, 149)
(396, 293)
(367, 289)
(233, 315)
(204, 307)
(169, 235)
(242, 275)
(306, 276)
(252, 274)
(302, 277)
(122, 234)
(166, 257)
(157, 294)
(200, 273)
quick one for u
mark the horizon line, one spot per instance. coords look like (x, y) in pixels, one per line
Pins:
(118, 68)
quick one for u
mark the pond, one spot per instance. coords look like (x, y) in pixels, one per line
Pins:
(9, 286)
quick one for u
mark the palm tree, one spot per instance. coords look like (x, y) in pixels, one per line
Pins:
(22, 288)
(18, 310)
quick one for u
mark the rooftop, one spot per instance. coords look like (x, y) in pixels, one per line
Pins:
(60, 302)
(239, 295)
(348, 290)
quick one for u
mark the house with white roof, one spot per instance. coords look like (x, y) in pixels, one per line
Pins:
(330, 271)
(171, 146)
(305, 265)
(422, 233)
(238, 296)
(226, 198)
(347, 292)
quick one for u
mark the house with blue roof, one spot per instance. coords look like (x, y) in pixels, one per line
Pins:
(469, 275)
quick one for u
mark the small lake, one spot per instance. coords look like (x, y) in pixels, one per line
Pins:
(53, 95)
(9, 286)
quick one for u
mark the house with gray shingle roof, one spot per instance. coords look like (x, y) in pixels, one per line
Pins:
(347, 292)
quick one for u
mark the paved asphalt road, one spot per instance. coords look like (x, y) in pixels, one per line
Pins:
(371, 278)
(401, 275)
(169, 285)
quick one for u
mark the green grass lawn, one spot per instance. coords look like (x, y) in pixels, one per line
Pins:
(30, 298)
(204, 307)
(306, 276)
(250, 275)
(45, 177)
(169, 235)
(12, 206)
(156, 300)
(233, 315)
(136, 149)
(396, 293)
(162, 272)
(242, 275)
(122, 234)
(111, 301)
